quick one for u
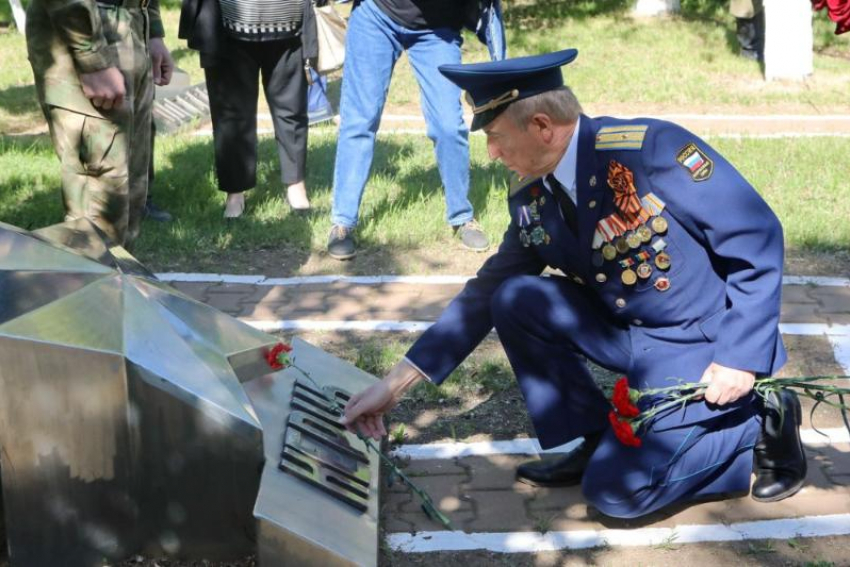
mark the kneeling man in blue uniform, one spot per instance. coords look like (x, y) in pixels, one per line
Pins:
(673, 266)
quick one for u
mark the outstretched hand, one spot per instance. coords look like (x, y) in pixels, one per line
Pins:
(726, 385)
(364, 412)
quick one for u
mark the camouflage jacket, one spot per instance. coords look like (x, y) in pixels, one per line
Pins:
(69, 37)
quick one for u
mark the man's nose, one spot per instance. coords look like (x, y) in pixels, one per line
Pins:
(493, 151)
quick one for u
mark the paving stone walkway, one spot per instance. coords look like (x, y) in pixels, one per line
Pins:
(479, 493)
(342, 301)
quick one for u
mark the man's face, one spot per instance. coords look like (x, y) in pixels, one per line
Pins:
(521, 150)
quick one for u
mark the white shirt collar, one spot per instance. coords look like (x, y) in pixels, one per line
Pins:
(565, 173)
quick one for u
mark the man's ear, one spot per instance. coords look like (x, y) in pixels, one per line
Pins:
(542, 125)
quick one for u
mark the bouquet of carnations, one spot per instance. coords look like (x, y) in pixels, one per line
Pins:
(628, 420)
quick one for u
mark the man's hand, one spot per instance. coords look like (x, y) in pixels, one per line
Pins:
(365, 411)
(726, 385)
(161, 62)
(105, 88)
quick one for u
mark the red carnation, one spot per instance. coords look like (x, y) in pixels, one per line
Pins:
(278, 356)
(622, 399)
(623, 430)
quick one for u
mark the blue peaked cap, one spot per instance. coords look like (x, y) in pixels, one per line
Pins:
(490, 87)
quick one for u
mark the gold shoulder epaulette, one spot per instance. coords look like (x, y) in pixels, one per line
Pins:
(625, 137)
(519, 183)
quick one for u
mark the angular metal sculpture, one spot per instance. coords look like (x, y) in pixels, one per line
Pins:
(134, 419)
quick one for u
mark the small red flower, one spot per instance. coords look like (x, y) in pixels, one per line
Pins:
(622, 399)
(278, 356)
(623, 430)
(535, 191)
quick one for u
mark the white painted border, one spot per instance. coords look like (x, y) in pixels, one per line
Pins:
(816, 280)
(814, 329)
(267, 325)
(315, 325)
(383, 279)
(533, 542)
(207, 132)
(671, 117)
(841, 348)
(310, 280)
(530, 446)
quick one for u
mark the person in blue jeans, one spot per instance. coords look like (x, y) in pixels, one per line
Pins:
(378, 32)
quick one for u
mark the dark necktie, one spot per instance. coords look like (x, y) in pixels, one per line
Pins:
(568, 208)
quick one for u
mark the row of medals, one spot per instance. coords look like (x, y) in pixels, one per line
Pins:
(632, 240)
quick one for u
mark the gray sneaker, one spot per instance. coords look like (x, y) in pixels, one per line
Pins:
(341, 243)
(472, 237)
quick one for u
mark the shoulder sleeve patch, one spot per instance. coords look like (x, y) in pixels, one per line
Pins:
(519, 183)
(693, 159)
(627, 137)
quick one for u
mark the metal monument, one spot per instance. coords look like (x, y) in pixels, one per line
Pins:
(134, 419)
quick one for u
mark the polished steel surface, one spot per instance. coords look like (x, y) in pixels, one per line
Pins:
(301, 524)
(134, 419)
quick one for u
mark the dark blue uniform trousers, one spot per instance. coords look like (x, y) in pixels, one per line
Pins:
(549, 327)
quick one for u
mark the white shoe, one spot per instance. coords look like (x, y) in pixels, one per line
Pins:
(234, 206)
(296, 196)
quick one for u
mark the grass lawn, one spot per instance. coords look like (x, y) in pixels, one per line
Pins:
(688, 61)
(804, 180)
(623, 61)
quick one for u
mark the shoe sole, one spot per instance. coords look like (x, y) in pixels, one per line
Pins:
(559, 484)
(474, 249)
(342, 256)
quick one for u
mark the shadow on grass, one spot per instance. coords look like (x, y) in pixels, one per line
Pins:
(186, 186)
(19, 100)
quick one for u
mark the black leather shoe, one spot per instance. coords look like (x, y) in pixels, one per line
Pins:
(155, 213)
(779, 459)
(565, 470)
(341, 243)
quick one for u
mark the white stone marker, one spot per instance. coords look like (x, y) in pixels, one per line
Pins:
(650, 8)
(788, 39)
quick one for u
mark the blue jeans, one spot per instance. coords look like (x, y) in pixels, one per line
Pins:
(373, 45)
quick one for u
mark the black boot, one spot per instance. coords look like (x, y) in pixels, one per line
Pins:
(566, 470)
(780, 462)
(750, 32)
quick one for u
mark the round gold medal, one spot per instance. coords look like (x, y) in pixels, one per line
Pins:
(633, 240)
(644, 233)
(644, 270)
(621, 245)
(662, 260)
(629, 276)
(659, 225)
(609, 252)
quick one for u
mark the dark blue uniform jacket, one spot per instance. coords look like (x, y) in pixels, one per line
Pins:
(725, 247)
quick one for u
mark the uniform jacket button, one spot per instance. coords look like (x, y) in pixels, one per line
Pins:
(637, 322)
(601, 278)
(620, 302)
(592, 204)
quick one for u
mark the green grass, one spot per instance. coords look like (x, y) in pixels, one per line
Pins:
(804, 180)
(686, 61)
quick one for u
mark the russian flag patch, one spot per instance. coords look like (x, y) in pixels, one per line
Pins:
(696, 162)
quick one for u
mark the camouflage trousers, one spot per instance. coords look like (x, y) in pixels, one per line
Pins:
(105, 155)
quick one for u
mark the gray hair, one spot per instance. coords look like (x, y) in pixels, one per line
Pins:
(561, 105)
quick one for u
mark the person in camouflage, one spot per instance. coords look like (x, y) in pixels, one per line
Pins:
(95, 66)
